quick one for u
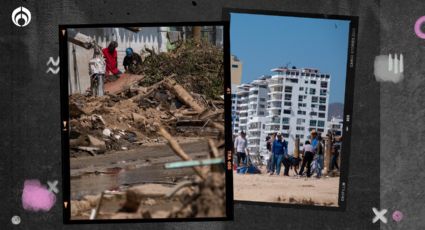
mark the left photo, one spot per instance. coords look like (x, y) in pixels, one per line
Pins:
(144, 134)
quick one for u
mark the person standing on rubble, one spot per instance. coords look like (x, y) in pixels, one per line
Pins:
(131, 61)
(241, 145)
(97, 68)
(280, 150)
(111, 60)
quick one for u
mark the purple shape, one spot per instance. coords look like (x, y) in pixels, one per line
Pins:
(418, 25)
(37, 197)
(397, 216)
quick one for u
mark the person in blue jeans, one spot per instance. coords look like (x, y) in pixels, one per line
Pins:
(279, 150)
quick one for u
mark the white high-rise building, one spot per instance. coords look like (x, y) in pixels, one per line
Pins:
(257, 111)
(298, 103)
(291, 101)
(241, 119)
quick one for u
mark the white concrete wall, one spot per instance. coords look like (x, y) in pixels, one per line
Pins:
(149, 37)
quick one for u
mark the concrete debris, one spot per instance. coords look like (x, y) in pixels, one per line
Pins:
(124, 121)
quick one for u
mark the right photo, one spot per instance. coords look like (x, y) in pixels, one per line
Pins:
(288, 76)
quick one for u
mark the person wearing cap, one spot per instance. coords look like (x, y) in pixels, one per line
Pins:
(111, 59)
(314, 140)
(280, 150)
(131, 61)
(241, 145)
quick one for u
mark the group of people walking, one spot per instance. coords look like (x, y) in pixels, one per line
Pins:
(312, 154)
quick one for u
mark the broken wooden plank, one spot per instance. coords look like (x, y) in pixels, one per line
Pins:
(182, 94)
(186, 98)
(175, 146)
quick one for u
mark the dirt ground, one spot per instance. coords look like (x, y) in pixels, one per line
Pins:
(280, 189)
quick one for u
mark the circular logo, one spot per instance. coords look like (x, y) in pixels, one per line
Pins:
(21, 16)
(16, 220)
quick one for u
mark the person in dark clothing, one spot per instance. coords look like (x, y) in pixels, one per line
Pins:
(320, 156)
(307, 159)
(280, 151)
(270, 154)
(334, 162)
(131, 61)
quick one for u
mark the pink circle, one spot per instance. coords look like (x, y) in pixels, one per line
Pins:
(418, 30)
(397, 216)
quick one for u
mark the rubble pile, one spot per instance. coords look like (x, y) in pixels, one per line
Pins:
(201, 198)
(180, 91)
(197, 65)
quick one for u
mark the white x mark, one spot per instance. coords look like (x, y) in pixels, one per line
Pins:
(379, 215)
(52, 186)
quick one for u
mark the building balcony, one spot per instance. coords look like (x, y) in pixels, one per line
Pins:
(275, 106)
(275, 99)
(275, 92)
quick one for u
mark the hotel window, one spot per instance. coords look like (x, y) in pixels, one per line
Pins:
(313, 122)
(322, 115)
(288, 96)
(314, 99)
(313, 113)
(293, 80)
(320, 130)
(262, 106)
(323, 92)
(300, 98)
(299, 128)
(288, 89)
(301, 112)
(324, 84)
(320, 123)
(285, 120)
(313, 82)
(322, 107)
(235, 66)
(300, 121)
(261, 113)
(285, 127)
(286, 111)
(322, 100)
(287, 103)
(301, 88)
(262, 99)
(312, 91)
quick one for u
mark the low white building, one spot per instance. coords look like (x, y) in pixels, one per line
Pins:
(335, 126)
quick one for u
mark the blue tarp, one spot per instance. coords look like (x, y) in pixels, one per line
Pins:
(247, 169)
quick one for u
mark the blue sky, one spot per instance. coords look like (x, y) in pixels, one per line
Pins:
(264, 42)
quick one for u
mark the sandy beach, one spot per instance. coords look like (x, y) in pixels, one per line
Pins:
(292, 189)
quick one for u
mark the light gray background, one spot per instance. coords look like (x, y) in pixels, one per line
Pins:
(30, 143)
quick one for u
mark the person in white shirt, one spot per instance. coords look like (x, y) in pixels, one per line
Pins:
(97, 68)
(308, 153)
(241, 145)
